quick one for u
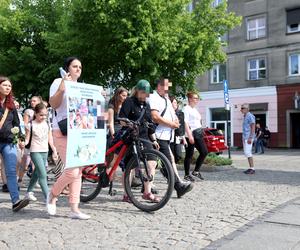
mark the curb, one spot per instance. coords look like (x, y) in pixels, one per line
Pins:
(259, 220)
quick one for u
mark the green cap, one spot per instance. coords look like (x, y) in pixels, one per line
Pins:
(143, 85)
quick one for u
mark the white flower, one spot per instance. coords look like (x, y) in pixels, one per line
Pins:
(84, 154)
(92, 149)
(15, 130)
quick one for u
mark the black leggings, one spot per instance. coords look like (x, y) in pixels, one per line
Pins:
(189, 152)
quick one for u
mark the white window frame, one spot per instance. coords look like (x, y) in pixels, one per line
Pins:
(256, 28)
(289, 30)
(290, 64)
(217, 67)
(257, 69)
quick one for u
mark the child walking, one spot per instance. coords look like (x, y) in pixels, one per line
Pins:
(38, 135)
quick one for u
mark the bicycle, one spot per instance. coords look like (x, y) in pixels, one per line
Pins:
(96, 177)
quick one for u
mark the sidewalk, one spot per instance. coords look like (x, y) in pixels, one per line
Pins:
(278, 229)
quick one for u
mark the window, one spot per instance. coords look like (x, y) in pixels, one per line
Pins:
(218, 73)
(215, 3)
(294, 65)
(256, 28)
(257, 69)
(293, 20)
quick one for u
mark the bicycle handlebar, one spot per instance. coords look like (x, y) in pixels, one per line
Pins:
(130, 122)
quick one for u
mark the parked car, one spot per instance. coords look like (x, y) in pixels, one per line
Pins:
(215, 140)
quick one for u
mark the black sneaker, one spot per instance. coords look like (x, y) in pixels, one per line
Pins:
(249, 171)
(183, 188)
(189, 178)
(5, 188)
(198, 175)
(20, 204)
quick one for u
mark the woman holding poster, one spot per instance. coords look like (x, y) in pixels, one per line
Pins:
(70, 176)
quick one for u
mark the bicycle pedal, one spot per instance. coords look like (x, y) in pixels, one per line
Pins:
(112, 192)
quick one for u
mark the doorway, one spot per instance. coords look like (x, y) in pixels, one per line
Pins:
(295, 130)
(261, 118)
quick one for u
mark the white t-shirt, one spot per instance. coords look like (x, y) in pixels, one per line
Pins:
(61, 111)
(192, 117)
(158, 103)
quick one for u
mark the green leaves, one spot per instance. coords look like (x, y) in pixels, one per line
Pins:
(118, 41)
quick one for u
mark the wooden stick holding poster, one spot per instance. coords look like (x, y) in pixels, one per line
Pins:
(86, 141)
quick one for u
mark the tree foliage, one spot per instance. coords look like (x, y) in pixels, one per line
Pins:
(118, 41)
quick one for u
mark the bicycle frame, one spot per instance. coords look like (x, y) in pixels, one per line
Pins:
(88, 171)
(120, 157)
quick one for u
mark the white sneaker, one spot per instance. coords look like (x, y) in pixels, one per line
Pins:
(51, 208)
(80, 216)
(30, 196)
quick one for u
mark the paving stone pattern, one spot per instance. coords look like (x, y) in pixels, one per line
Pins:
(218, 206)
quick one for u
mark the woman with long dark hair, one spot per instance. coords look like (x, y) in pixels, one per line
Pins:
(114, 107)
(9, 133)
(72, 176)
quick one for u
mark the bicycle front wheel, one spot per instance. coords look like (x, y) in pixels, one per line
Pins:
(162, 184)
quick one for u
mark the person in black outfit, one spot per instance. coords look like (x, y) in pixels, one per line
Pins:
(267, 137)
(132, 109)
(179, 138)
(259, 139)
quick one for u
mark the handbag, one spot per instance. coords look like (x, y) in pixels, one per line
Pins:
(28, 145)
(63, 126)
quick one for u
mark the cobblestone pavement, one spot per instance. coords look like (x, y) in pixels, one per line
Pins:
(218, 206)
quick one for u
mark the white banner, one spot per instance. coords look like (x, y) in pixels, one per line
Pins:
(86, 125)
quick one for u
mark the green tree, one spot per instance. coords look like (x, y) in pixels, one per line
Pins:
(121, 41)
(24, 56)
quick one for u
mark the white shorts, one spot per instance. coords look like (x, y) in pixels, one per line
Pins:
(247, 148)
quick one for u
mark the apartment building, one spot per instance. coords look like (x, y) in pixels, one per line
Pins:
(262, 69)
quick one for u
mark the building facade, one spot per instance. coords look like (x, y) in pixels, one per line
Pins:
(262, 69)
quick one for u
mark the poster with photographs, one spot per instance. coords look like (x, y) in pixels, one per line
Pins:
(86, 125)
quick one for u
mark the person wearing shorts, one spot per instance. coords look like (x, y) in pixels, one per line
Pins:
(248, 136)
(132, 109)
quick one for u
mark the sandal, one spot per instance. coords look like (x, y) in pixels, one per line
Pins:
(151, 197)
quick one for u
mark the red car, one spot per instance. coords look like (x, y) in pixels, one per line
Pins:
(215, 141)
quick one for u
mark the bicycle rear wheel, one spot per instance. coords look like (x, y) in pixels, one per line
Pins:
(163, 181)
(91, 184)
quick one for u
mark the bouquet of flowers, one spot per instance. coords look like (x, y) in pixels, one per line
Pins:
(15, 131)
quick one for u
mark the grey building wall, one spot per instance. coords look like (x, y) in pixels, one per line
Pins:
(276, 46)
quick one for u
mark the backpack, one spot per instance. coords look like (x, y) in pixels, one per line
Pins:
(181, 130)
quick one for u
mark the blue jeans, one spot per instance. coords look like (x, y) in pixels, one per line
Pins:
(9, 154)
(259, 144)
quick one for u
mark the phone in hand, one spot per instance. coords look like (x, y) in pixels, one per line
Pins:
(63, 73)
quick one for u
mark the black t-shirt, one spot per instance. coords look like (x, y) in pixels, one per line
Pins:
(117, 125)
(12, 120)
(181, 130)
(259, 133)
(132, 109)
